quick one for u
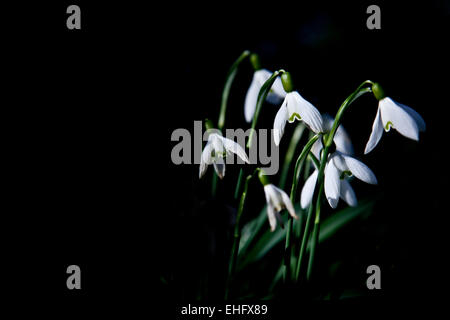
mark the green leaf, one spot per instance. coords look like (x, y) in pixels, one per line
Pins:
(328, 229)
(264, 244)
(341, 218)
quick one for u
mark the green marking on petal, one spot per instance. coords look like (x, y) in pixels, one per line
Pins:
(293, 116)
(344, 174)
(388, 126)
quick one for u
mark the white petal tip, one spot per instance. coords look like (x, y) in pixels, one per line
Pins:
(333, 202)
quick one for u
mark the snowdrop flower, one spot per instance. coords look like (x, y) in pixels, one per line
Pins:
(391, 114)
(343, 145)
(295, 107)
(337, 170)
(276, 94)
(216, 149)
(277, 200)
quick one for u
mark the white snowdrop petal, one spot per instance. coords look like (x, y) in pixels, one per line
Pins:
(347, 193)
(271, 217)
(261, 76)
(377, 132)
(219, 166)
(416, 116)
(327, 121)
(250, 100)
(316, 149)
(205, 159)
(232, 146)
(277, 89)
(308, 190)
(277, 196)
(332, 184)
(395, 116)
(216, 143)
(360, 170)
(288, 204)
(292, 107)
(279, 123)
(342, 141)
(309, 114)
(339, 161)
(271, 194)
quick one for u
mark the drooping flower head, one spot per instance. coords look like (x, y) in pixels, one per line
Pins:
(277, 200)
(340, 166)
(216, 149)
(260, 76)
(295, 107)
(391, 114)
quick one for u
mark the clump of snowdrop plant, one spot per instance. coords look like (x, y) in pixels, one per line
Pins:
(329, 149)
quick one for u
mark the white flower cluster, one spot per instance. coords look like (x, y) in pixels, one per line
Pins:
(339, 167)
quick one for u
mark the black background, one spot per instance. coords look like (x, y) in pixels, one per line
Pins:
(88, 120)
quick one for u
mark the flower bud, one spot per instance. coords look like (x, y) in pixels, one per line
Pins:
(263, 178)
(254, 60)
(287, 81)
(378, 92)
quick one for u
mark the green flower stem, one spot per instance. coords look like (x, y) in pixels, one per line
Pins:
(214, 184)
(296, 136)
(237, 235)
(337, 120)
(315, 160)
(297, 170)
(238, 185)
(315, 235)
(226, 90)
(304, 243)
(262, 95)
(298, 164)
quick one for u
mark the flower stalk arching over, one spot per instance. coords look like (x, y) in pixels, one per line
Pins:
(391, 114)
(216, 149)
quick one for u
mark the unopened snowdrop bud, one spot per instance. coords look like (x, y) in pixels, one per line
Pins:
(391, 114)
(277, 200)
(286, 80)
